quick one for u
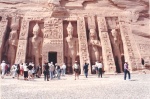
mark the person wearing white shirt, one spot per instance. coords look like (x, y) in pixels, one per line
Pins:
(51, 70)
(3, 65)
(25, 68)
(63, 69)
(13, 69)
(99, 65)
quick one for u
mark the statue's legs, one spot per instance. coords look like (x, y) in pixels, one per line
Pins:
(68, 64)
(97, 56)
(120, 63)
(11, 55)
(36, 60)
(73, 61)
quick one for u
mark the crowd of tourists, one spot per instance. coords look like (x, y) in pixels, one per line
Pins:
(29, 71)
(51, 71)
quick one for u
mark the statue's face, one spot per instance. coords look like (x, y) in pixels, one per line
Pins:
(114, 34)
(92, 34)
(35, 33)
(70, 31)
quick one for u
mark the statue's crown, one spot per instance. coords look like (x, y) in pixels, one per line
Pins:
(69, 26)
(36, 27)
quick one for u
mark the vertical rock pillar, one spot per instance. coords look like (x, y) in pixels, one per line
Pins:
(22, 43)
(126, 34)
(3, 27)
(83, 46)
(108, 59)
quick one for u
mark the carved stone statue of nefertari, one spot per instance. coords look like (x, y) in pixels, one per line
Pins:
(35, 46)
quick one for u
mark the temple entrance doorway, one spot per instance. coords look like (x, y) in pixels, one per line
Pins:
(52, 57)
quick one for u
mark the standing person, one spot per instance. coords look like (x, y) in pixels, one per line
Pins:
(8, 70)
(3, 65)
(30, 67)
(21, 69)
(25, 68)
(38, 71)
(18, 70)
(51, 70)
(76, 70)
(99, 65)
(96, 67)
(143, 65)
(33, 72)
(58, 71)
(14, 69)
(85, 69)
(126, 70)
(64, 69)
(46, 71)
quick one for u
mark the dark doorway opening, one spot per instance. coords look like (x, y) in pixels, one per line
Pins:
(117, 64)
(52, 57)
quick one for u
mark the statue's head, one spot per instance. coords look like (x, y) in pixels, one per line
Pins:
(70, 29)
(36, 30)
(114, 33)
(93, 34)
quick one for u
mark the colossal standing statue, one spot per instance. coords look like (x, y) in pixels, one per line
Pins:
(95, 48)
(35, 46)
(117, 47)
(71, 46)
(11, 43)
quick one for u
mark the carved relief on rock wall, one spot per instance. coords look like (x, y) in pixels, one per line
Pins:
(11, 43)
(22, 44)
(53, 40)
(71, 47)
(3, 27)
(83, 45)
(108, 59)
(53, 29)
(129, 52)
(116, 42)
(94, 44)
(35, 44)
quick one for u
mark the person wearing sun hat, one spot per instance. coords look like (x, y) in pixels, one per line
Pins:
(3, 65)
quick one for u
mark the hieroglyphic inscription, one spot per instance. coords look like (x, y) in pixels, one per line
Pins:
(102, 26)
(91, 22)
(22, 44)
(125, 32)
(83, 46)
(24, 30)
(144, 49)
(53, 29)
(53, 39)
(108, 59)
(3, 26)
(21, 51)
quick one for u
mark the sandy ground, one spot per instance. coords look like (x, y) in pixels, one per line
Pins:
(108, 87)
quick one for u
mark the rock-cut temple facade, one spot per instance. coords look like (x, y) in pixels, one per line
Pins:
(65, 31)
